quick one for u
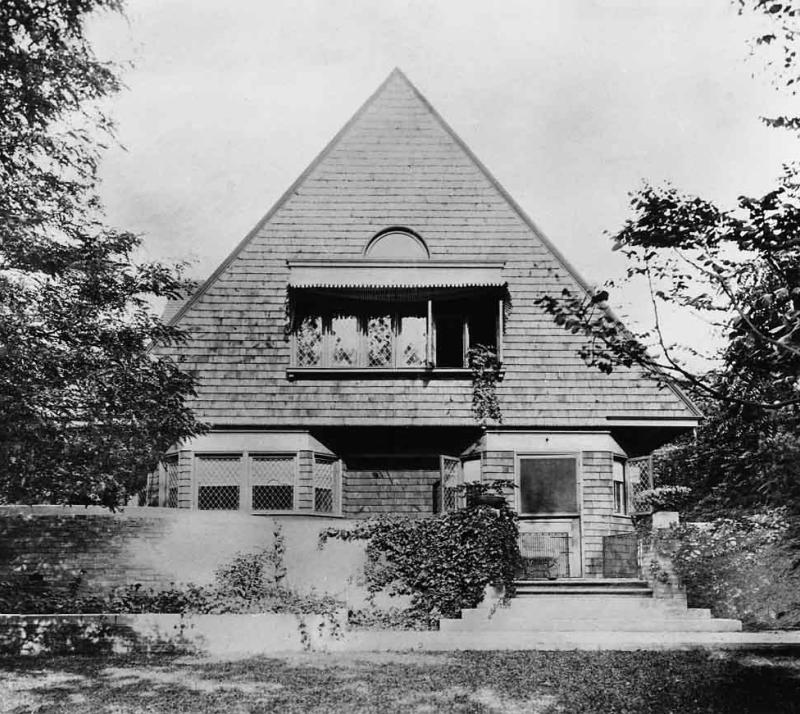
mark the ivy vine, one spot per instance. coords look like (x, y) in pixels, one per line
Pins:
(486, 374)
(444, 562)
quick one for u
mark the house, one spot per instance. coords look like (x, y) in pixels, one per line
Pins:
(332, 352)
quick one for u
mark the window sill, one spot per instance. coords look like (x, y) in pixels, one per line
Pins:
(621, 515)
(313, 514)
(377, 373)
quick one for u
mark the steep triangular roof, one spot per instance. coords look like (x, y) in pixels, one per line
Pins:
(397, 162)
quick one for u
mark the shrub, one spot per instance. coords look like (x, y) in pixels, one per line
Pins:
(740, 568)
(666, 498)
(444, 563)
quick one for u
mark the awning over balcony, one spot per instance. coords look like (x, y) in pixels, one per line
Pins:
(393, 275)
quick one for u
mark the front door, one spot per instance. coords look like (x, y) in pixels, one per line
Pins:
(549, 511)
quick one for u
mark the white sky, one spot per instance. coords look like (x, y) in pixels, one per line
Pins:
(569, 103)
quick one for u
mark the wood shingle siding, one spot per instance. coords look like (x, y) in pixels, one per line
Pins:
(398, 491)
(396, 164)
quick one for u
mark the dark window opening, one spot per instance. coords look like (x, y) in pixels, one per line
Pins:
(449, 341)
(548, 485)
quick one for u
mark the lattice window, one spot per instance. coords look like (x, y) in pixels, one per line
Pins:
(544, 555)
(309, 342)
(219, 479)
(640, 478)
(171, 471)
(326, 477)
(379, 338)
(272, 478)
(452, 480)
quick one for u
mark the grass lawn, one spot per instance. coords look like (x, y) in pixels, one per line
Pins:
(529, 682)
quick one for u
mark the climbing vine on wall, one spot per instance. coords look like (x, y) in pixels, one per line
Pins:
(486, 374)
(444, 563)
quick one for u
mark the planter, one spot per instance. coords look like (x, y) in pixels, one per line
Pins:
(489, 499)
(665, 519)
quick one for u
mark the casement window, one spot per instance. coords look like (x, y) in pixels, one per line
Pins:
(620, 487)
(326, 485)
(416, 335)
(548, 486)
(249, 482)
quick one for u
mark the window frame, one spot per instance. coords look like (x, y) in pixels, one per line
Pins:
(428, 313)
(336, 495)
(245, 480)
(625, 490)
(576, 458)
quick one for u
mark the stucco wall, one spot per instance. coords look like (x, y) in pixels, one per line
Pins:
(158, 546)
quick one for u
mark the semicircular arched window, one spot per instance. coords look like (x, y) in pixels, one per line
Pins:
(398, 244)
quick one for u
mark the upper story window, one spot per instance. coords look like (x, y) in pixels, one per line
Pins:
(407, 335)
(399, 311)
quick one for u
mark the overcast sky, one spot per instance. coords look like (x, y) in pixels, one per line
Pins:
(570, 104)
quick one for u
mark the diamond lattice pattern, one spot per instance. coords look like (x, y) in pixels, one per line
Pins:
(640, 475)
(451, 485)
(171, 470)
(309, 342)
(272, 479)
(324, 484)
(218, 482)
(540, 551)
(379, 335)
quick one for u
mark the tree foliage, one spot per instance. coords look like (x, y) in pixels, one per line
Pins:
(86, 408)
(736, 268)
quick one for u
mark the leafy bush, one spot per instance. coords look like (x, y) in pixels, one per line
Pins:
(740, 568)
(444, 563)
(666, 498)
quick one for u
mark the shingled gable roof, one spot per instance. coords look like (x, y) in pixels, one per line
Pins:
(397, 162)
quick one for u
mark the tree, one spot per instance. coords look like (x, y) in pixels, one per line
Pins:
(738, 269)
(87, 406)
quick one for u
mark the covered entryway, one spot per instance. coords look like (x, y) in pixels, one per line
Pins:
(550, 523)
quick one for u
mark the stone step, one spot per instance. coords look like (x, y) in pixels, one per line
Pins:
(570, 604)
(633, 591)
(681, 624)
(523, 616)
(580, 606)
(579, 582)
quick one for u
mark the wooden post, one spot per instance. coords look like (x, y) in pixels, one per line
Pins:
(429, 341)
(500, 328)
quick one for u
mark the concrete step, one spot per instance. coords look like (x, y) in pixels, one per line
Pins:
(681, 624)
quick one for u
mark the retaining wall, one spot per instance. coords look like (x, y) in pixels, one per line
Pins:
(160, 546)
